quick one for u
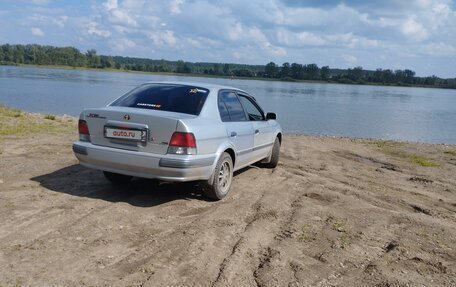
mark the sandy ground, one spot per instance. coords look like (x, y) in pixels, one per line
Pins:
(335, 212)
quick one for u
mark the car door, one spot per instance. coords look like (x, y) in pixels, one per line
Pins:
(239, 130)
(263, 131)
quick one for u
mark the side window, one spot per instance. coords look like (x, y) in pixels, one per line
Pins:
(224, 115)
(255, 114)
(234, 107)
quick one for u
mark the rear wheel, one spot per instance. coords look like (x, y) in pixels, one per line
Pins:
(117, 178)
(274, 155)
(219, 185)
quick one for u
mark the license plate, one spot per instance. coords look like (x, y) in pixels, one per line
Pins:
(135, 135)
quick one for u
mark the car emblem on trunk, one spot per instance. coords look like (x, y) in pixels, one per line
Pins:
(127, 117)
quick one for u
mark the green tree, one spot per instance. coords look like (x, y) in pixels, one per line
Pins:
(311, 72)
(93, 60)
(409, 75)
(30, 54)
(7, 53)
(285, 70)
(400, 76)
(430, 81)
(226, 70)
(163, 66)
(388, 76)
(355, 74)
(187, 68)
(296, 71)
(180, 66)
(270, 70)
(325, 73)
(216, 69)
(183, 67)
(107, 62)
(19, 54)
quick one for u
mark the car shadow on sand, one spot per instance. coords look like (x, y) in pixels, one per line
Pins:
(79, 181)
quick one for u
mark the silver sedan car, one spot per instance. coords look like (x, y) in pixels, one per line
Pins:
(179, 132)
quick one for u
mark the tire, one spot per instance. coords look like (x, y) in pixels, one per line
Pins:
(220, 183)
(117, 178)
(274, 155)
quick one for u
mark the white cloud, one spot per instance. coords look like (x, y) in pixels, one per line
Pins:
(252, 37)
(118, 15)
(163, 38)
(120, 45)
(93, 29)
(289, 38)
(235, 32)
(414, 30)
(175, 6)
(60, 21)
(37, 32)
(309, 39)
(110, 5)
(439, 49)
(349, 59)
(121, 17)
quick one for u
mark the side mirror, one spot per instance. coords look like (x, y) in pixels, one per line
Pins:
(271, 116)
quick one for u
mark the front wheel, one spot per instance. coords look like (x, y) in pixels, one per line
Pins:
(220, 183)
(274, 155)
(117, 178)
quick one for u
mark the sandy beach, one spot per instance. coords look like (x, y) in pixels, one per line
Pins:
(335, 212)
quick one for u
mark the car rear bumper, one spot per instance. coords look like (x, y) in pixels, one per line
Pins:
(141, 164)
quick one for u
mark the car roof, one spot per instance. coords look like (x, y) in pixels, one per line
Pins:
(210, 86)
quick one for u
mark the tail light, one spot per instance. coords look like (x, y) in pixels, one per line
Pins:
(83, 128)
(182, 143)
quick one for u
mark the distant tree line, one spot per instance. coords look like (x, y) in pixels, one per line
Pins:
(34, 54)
(355, 75)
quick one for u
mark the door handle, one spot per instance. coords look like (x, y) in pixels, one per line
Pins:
(257, 132)
(233, 134)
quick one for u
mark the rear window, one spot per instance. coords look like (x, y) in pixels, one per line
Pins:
(165, 97)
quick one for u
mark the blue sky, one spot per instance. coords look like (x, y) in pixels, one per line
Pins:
(415, 34)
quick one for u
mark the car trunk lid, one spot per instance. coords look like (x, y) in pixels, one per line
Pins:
(132, 128)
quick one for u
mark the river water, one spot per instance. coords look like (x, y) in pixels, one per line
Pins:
(413, 114)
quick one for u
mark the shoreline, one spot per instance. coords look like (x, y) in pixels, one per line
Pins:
(111, 70)
(286, 133)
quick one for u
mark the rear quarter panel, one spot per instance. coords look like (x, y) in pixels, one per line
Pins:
(209, 134)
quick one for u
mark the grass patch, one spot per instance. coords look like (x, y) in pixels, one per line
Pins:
(338, 225)
(390, 147)
(306, 234)
(395, 149)
(27, 127)
(15, 122)
(10, 205)
(420, 160)
(344, 240)
(7, 112)
(451, 152)
(49, 117)
(387, 144)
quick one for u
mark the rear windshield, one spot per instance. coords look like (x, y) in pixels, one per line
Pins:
(165, 97)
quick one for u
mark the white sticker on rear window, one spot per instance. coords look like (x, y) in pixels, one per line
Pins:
(196, 90)
(157, 106)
